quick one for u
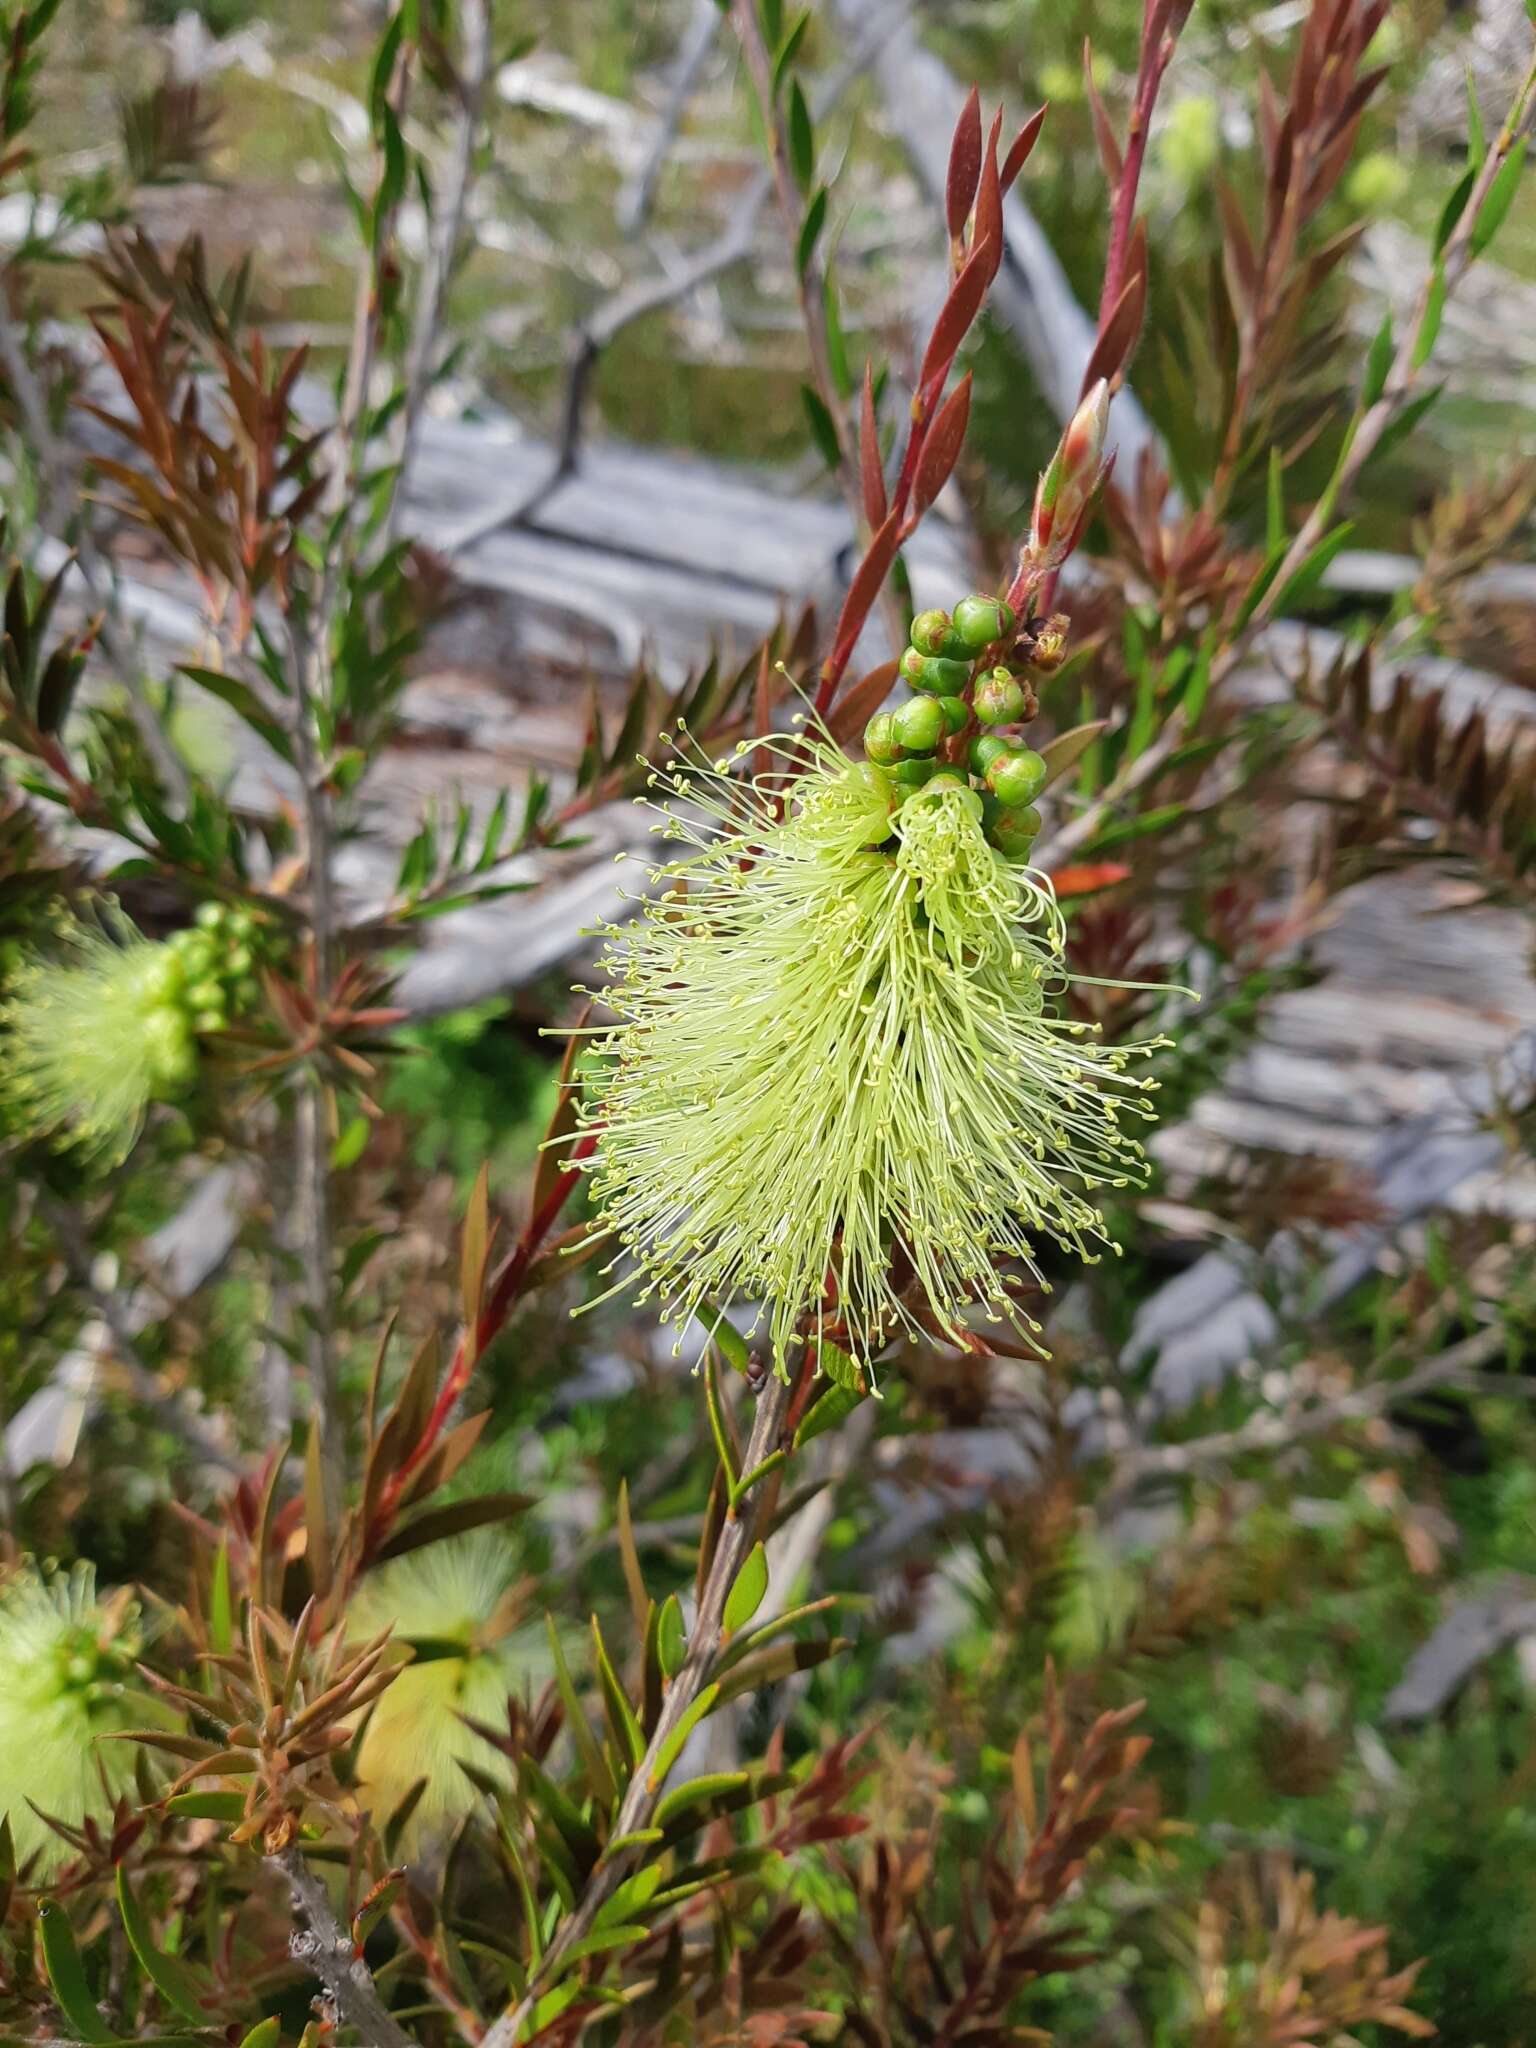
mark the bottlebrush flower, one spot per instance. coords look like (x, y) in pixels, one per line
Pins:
(91, 1034)
(455, 1607)
(66, 1666)
(839, 1088)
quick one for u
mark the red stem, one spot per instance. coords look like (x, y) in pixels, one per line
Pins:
(1156, 50)
(473, 1342)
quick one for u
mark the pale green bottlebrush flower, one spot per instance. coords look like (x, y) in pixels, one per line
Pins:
(456, 1608)
(67, 1667)
(92, 1033)
(840, 1087)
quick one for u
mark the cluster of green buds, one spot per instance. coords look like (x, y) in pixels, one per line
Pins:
(955, 727)
(211, 967)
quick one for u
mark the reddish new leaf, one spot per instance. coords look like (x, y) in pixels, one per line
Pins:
(865, 588)
(1022, 148)
(941, 446)
(1116, 344)
(1086, 879)
(964, 166)
(1104, 134)
(858, 705)
(989, 201)
(956, 315)
(871, 474)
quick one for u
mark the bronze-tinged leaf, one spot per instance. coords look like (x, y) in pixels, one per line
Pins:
(1022, 148)
(554, 1151)
(964, 169)
(1115, 346)
(450, 1453)
(453, 1518)
(474, 1246)
(1103, 132)
(871, 471)
(865, 587)
(941, 446)
(857, 705)
(1063, 753)
(629, 1558)
(957, 313)
(988, 232)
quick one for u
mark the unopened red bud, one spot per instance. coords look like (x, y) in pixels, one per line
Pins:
(1082, 446)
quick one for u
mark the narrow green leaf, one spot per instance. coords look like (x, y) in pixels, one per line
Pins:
(1306, 578)
(837, 346)
(671, 1640)
(826, 1412)
(1429, 327)
(169, 1975)
(66, 1973)
(351, 1145)
(1274, 523)
(599, 1777)
(627, 1737)
(1139, 828)
(838, 1367)
(1064, 752)
(265, 2034)
(748, 1593)
(224, 1806)
(1501, 196)
(1405, 423)
(221, 1613)
(1451, 212)
(630, 1898)
(672, 1748)
(789, 50)
(810, 230)
(697, 1791)
(1477, 140)
(802, 139)
(609, 1937)
(822, 425)
(732, 1345)
(1377, 364)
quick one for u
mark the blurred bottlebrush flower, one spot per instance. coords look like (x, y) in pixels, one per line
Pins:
(91, 1033)
(67, 1664)
(838, 1088)
(456, 1608)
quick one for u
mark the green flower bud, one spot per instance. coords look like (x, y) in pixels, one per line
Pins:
(238, 960)
(206, 995)
(984, 751)
(957, 714)
(1014, 831)
(880, 741)
(246, 994)
(158, 978)
(167, 1039)
(197, 953)
(949, 780)
(981, 620)
(910, 775)
(210, 916)
(933, 676)
(864, 777)
(210, 1020)
(1017, 775)
(920, 725)
(930, 632)
(997, 699)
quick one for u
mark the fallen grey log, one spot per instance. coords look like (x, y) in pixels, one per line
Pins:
(1475, 1630)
